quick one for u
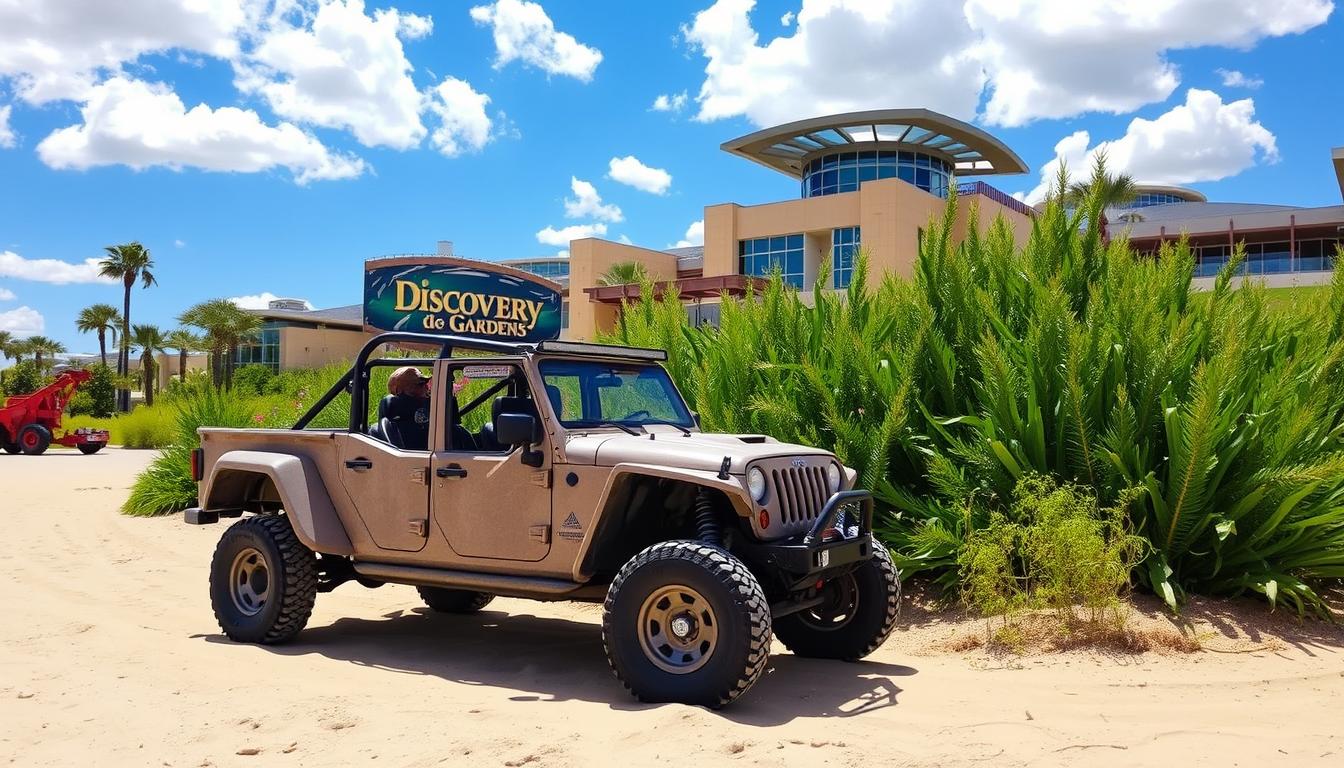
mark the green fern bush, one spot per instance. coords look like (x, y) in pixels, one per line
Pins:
(1215, 422)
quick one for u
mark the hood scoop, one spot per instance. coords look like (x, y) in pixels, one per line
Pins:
(754, 439)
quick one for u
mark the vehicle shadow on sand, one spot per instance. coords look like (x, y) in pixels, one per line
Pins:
(556, 660)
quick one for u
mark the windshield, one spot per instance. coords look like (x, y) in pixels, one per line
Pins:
(586, 393)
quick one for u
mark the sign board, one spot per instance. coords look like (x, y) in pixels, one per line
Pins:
(438, 294)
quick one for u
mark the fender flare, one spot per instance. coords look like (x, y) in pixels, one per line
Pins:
(732, 488)
(301, 490)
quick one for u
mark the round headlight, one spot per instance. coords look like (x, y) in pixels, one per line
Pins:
(833, 476)
(756, 483)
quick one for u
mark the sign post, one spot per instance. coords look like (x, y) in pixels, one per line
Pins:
(438, 294)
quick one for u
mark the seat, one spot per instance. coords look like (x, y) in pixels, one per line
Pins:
(557, 401)
(463, 440)
(397, 423)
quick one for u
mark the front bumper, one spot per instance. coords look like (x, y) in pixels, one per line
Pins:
(840, 538)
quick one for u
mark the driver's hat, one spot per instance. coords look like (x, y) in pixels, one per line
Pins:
(404, 379)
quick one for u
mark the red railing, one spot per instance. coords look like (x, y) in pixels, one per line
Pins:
(1002, 198)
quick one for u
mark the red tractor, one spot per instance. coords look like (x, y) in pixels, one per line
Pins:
(28, 421)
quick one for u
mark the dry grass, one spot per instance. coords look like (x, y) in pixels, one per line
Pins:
(930, 626)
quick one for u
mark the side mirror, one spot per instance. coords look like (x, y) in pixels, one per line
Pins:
(515, 428)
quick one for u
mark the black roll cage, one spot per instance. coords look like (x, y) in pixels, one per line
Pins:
(356, 380)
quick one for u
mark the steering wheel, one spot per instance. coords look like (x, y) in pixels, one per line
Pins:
(636, 414)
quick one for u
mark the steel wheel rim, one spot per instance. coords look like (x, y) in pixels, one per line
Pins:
(839, 607)
(249, 581)
(678, 630)
(30, 439)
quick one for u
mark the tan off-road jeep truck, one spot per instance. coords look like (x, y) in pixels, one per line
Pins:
(567, 471)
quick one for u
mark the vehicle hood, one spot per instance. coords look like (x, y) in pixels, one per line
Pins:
(669, 447)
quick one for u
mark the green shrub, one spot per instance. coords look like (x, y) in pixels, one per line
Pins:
(1216, 420)
(1053, 548)
(81, 404)
(23, 379)
(252, 379)
(166, 485)
(143, 427)
(101, 390)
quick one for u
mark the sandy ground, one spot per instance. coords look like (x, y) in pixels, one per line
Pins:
(109, 655)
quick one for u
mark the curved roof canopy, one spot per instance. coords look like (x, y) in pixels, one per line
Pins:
(1185, 193)
(787, 148)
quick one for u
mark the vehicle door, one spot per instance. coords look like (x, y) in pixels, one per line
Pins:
(388, 485)
(484, 499)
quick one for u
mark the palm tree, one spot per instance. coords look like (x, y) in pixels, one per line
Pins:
(150, 341)
(624, 272)
(1105, 190)
(185, 342)
(18, 348)
(7, 342)
(100, 319)
(226, 328)
(40, 346)
(129, 262)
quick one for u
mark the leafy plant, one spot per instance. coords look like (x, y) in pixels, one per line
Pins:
(1214, 421)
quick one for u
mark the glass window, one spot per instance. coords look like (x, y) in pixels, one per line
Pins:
(592, 392)
(844, 246)
(761, 256)
(263, 350)
(844, 172)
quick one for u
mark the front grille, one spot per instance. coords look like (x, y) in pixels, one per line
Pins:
(801, 492)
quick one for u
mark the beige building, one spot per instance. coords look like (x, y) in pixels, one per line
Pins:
(867, 179)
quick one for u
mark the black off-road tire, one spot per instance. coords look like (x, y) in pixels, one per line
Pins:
(34, 439)
(454, 600)
(738, 605)
(877, 586)
(291, 588)
(10, 447)
(88, 449)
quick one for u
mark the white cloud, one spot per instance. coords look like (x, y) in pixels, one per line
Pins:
(787, 19)
(50, 270)
(24, 321)
(6, 294)
(56, 49)
(1033, 58)
(552, 236)
(1234, 79)
(7, 137)
(625, 239)
(340, 68)
(179, 243)
(695, 235)
(563, 253)
(143, 125)
(262, 301)
(586, 203)
(1203, 139)
(670, 103)
(630, 171)
(463, 124)
(840, 57)
(523, 31)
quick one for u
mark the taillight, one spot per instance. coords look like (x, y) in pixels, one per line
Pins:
(198, 465)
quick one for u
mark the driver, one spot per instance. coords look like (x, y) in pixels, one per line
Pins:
(409, 408)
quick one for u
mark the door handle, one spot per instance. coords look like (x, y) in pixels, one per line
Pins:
(452, 470)
(359, 465)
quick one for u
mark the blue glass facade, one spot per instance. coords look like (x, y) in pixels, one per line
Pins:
(1145, 199)
(844, 247)
(762, 256)
(1269, 258)
(844, 171)
(264, 351)
(547, 269)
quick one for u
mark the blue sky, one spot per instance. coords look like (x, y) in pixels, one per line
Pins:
(232, 201)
